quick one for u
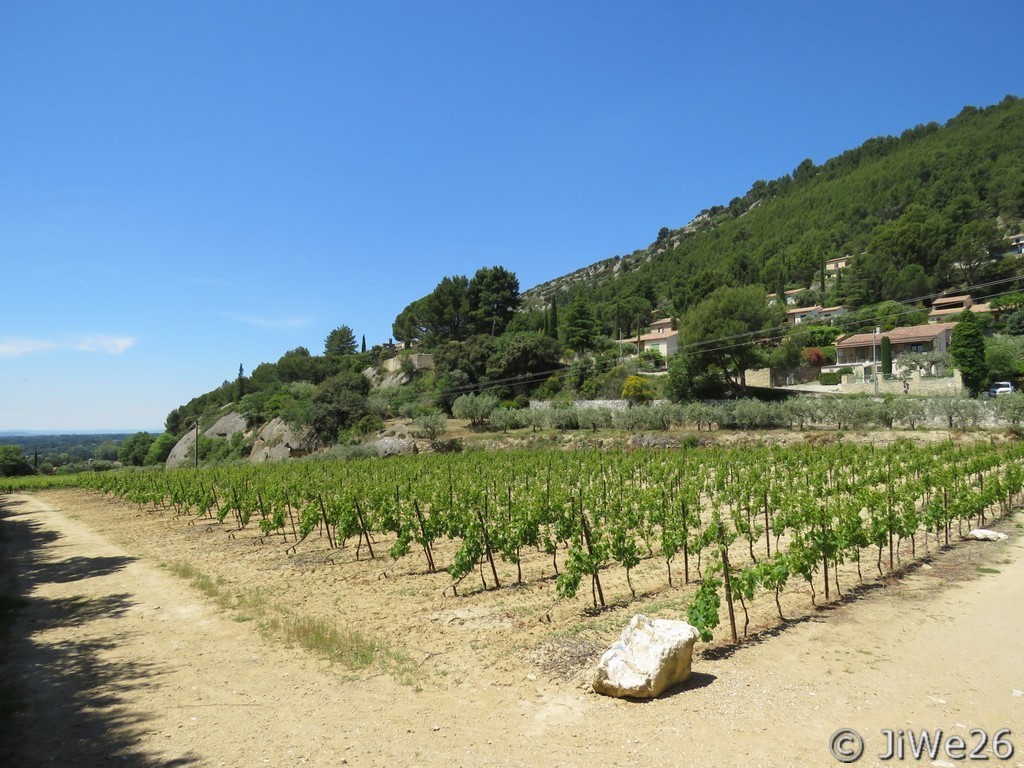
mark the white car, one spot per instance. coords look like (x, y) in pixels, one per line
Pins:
(1000, 388)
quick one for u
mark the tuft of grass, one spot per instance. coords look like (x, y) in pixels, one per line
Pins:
(351, 648)
(984, 569)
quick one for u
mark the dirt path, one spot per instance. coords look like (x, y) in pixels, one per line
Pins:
(120, 662)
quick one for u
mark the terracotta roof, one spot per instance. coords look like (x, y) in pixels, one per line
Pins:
(951, 300)
(957, 310)
(649, 337)
(906, 335)
(795, 310)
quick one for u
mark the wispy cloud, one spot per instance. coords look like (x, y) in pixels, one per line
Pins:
(111, 345)
(16, 347)
(261, 321)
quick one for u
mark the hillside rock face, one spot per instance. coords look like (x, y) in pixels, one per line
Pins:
(227, 425)
(183, 452)
(277, 441)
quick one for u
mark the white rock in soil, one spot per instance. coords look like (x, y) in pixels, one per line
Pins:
(650, 656)
(983, 534)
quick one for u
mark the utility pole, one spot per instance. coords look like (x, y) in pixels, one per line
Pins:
(874, 354)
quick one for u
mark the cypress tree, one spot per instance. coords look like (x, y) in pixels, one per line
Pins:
(967, 348)
(886, 356)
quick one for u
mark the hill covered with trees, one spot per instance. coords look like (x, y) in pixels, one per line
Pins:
(919, 214)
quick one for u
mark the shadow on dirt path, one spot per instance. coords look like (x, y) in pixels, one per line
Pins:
(61, 700)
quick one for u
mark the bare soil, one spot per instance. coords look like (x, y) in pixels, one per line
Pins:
(144, 639)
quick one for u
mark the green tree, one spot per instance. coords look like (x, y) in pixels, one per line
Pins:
(134, 448)
(493, 297)
(339, 402)
(1003, 357)
(1015, 323)
(886, 354)
(580, 325)
(299, 365)
(551, 320)
(680, 382)
(967, 348)
(522, 360)
(723, 332)
(341, 341)
(637, 390)
(476, 408)
(13, 462)
(470, 356)
(160, 449)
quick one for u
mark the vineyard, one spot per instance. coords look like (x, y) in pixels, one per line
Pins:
(722, 525)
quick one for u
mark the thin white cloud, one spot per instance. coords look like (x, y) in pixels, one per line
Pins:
(261, 321)
(111, 345)
(16, 347)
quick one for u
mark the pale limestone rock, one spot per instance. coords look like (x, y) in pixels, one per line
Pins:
(277, 441)
(227, 425)
(983, 534)
(183, 453)
(394, 441)
(650, 656)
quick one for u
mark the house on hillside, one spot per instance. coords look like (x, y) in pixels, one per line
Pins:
(831, 313)
(834, 266)
(863, 350)
(1017, 242)
(663, 337)
(947, 307)
(789, 298)
(798, 315)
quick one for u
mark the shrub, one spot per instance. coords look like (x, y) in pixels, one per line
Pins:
(505, 419)
(828, 378)
(637, 390)
(369, 424)
(802, 410)
(594, 418)
(476, 408)
(431, 425)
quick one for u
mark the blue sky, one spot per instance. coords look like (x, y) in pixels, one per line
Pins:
(189, 186)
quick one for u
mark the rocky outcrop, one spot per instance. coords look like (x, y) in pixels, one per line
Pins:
(650, 656)
(394, 441)
(227, 425)
(277, 441)
(183, 452)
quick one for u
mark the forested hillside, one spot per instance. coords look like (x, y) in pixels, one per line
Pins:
(922, 212)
